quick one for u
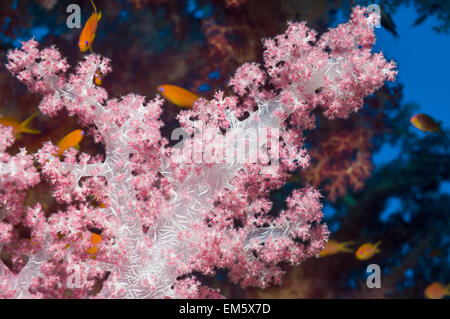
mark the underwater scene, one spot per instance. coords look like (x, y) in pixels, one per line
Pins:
(240, 149)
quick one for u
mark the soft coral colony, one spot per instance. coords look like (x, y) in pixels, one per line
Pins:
(163, 220)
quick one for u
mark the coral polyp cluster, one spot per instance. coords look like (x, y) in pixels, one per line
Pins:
(162, 219)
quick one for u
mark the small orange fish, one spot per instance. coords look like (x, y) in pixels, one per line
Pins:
(367, 250)
(87, 36)
(436, 290)
(95, 239)
(19, 128)
(178, 96)
(98, 79)
(70, 140)
(425, 123)
(333, 247)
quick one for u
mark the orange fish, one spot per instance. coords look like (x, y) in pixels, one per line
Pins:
(367, 250)
(98, 79)
(333, 247)
(436, 290)
(70, 140)
(19, 128)
(95, 239)
(87, 36)
(425, 123)
(178, 96)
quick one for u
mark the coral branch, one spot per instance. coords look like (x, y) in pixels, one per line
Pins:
(205, 203)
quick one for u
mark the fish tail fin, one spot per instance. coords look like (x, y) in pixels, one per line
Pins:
(31, 131)
(377, 244)
(95, 9)
(447, 290)
(99, 15)
(344, 246)
(24, 125)
(28, 120)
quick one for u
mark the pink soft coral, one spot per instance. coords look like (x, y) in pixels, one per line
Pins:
(167, 215)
